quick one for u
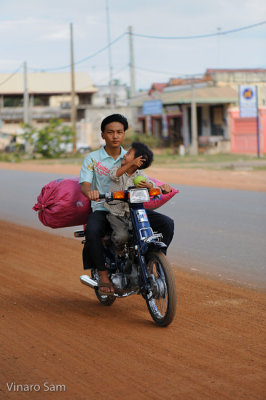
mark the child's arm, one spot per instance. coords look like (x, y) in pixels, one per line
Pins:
(123, 169)
(113, 176)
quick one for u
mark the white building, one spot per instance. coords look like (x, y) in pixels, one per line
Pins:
(50, 97)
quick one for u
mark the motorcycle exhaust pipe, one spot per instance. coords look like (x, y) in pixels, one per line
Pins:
(86, 280)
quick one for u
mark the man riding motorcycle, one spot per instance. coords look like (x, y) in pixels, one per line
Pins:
(94, 179)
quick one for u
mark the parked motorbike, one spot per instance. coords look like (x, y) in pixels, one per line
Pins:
(142, 268)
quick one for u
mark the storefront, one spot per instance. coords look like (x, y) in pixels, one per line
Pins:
(172, 123)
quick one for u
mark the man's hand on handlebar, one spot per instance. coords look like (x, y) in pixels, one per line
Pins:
(93, 195)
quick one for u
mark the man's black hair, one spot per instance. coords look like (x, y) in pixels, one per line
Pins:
(114, 118)
(142, 150)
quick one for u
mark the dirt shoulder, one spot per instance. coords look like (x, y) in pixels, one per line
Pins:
(54, 331)
(243, 179)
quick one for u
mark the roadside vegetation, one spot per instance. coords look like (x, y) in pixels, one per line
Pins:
(50, 141)
(220, 161)
(163, 159)
(49, 145)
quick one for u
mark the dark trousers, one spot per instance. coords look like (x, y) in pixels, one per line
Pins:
(97, 226)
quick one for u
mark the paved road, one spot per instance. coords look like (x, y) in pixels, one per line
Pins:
(218, 231)
(221, 231)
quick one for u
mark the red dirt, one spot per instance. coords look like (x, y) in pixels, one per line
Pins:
(54, 330)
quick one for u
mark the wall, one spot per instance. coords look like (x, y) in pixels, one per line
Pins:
(55, 101)
(241, 77)
(84, 136)
(244, 133)
(119, 92)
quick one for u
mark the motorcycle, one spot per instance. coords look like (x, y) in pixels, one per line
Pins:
(142, 268)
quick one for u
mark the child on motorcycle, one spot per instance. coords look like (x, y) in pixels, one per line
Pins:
(138, 157)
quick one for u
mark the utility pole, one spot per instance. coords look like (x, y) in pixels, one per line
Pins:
(218, 47)
(131, 63)
(109, 57)
(194, 127)
(25, 97)
(73, 105)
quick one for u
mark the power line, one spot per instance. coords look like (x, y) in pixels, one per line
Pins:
(83, 59)
(199, 36)
(142, 36)
(155, 37)
(103, 49)
(114, 74)
(11, 76)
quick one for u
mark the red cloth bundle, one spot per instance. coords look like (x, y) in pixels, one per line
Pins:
(156, 202)
(61, 203)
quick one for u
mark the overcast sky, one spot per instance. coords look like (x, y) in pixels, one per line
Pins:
(38, 32)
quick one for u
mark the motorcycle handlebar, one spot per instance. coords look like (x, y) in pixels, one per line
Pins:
(118, 195)
(122, 194)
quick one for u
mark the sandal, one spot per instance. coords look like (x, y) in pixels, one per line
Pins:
(105, 284)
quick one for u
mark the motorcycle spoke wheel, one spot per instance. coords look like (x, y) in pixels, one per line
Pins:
(162, 304)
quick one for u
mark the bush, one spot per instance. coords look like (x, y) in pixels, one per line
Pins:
(50, 141)
(149, 140)
(10, 157)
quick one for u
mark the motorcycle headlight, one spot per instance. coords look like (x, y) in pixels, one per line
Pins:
(139, 195)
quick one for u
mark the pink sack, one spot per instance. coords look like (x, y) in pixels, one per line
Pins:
(61, 204)
(156, 202)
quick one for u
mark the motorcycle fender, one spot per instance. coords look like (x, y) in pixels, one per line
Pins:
(152, 246)
(156, 245)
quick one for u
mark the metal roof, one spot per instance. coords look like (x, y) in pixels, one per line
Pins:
(232, 70)
(203, 95)
(46, 83)
(206, 95)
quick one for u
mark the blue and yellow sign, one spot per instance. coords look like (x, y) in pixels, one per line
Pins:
(248, 93)
(248, 101)
(152, 107)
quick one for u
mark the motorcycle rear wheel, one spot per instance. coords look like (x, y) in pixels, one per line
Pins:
(162, 304)
(105, 300)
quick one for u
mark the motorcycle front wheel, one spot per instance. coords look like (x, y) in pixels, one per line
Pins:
(162, 304)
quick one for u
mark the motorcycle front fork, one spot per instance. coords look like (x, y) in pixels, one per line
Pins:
(145, 286)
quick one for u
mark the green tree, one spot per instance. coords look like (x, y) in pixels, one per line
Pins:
(50, 141)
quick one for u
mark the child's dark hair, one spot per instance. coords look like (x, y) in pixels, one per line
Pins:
(142, 150)
(114, 118)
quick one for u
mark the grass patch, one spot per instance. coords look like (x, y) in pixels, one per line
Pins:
(163, 158)
(168, 158)
(23, 157)
(10, 157)
(259, 168)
